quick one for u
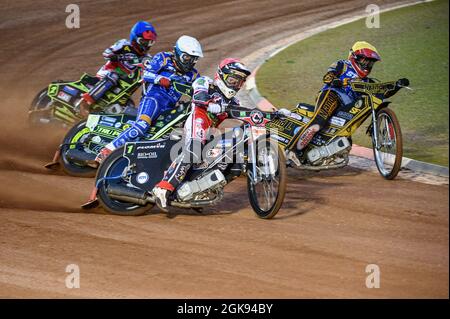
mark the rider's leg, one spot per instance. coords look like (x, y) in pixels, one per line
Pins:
(149, 109)
(326, 104)
(108, 80)
(195, 127)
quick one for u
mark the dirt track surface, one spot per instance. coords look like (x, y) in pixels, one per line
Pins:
(332, 224)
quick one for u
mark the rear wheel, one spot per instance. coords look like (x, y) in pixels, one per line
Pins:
(266, 192)
(388, 155)
(110, 172)
(76, 137)
(40, 109)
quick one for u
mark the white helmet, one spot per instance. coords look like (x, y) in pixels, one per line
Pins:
(187, 52)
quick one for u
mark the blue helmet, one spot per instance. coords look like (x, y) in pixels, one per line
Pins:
(143, 36)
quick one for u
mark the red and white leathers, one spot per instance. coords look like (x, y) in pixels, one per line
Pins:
(209, 110)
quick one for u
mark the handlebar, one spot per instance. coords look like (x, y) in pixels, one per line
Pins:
(372, 88)
(182, 88)
(239, 112)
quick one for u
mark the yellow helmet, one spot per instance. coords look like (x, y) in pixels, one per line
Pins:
(363, 55)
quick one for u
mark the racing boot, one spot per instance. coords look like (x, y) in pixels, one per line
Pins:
(161, 195)
(101, 156)
(293, 159)
(84, 105)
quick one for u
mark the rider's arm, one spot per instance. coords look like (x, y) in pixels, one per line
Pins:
(151, 72)
(398, 85)
(390, 93)
(112, 53)
(201, 96)
(334, 71)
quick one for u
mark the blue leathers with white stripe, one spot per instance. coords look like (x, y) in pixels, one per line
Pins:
(156, 99)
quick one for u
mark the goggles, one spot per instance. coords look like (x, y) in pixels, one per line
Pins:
(233, 81)
(188, 59)
(365, 63)
(145, 43)
(148, 39)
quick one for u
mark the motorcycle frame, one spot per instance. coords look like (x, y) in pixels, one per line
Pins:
(247, 136)
(372, 104)
(67, 112)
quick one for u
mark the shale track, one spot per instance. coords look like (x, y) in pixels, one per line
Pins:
(332, 224)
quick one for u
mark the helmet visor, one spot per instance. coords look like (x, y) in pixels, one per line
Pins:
(233, 81)
(365, 63)
(145, 43)
(188, 59)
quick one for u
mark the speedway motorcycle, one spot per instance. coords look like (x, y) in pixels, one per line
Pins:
(83, 141)
(331, 146)
(125, 179)
(57, 103)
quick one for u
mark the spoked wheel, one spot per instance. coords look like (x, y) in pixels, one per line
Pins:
(113, 172)
(388, 155)
(76, 137)
(40, 109)
(266, 191)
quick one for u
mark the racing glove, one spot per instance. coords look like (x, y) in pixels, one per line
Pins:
(284, 112)
(114, 58)
(402, 82)
(337, 83)
(215, 108)
(287, 113)
(130, 57)
(163, 81)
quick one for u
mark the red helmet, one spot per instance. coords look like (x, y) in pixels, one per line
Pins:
(363, 56)
(230, 76)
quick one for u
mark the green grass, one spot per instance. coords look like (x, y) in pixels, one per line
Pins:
(413, 43)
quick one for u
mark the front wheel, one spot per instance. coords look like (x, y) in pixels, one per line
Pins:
(267, 189)
(388, 155)
(113, 172)
(76, 138)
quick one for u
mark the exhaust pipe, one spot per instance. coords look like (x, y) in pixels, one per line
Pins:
(142, 198)
(128, 194)
(79, 157)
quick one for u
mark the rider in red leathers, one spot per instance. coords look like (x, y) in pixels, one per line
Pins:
(210, 101)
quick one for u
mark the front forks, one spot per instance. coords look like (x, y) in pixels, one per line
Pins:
(374, 129)
(254, 176)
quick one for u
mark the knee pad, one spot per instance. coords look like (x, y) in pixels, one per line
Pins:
(138, 130)
(109, 81)
(307, 136)
(149, 109)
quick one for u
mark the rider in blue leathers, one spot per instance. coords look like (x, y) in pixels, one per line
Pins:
(164, 68)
